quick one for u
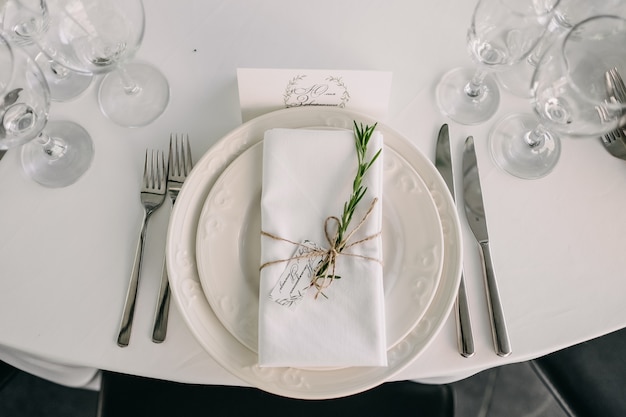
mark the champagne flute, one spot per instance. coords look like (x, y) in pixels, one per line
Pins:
(55, 154)
(571, 98)
(22, 22)
(97, 37)
(517, 79)
(502, 33)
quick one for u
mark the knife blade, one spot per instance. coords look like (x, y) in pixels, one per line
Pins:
(443, 162)
(475, 213)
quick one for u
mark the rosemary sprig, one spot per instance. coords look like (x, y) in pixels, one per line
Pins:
(362, 136)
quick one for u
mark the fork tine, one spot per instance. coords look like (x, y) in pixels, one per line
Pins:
(180, 155)
(173, 155)
(187, 155)
(154, 170)
(162, 170)
(145, 171)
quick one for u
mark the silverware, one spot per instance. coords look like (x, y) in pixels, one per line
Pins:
(475, 213)
(443, 162)
(615, 143)
(152, 196)
(615, 85)
(180, 165)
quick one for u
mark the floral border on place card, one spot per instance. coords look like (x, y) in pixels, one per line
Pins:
(262, 90)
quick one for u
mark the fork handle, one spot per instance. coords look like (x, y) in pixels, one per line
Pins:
(161, 315)
(131, 296)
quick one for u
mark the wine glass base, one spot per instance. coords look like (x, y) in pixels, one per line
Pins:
(455, 103)
(511, 151)
(59, 171)
(64, 84)
(137, 108)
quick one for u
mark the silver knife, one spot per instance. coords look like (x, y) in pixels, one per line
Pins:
(475, 213)
(443, 162)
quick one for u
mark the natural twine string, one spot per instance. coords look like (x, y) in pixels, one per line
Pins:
(329, 255)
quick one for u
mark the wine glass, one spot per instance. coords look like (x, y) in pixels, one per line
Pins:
(571, 97)
(23, 21)
(96, 37)
(502, 33)
(55, 154)
(517, 79)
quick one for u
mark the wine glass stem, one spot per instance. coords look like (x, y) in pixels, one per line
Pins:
(54, 148)
(536, 136)
(129, 85)
(474, 88)
(59, 71)
(553, 31)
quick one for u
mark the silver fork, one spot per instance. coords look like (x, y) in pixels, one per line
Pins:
(615, 85)
(180, 165)
(615, 141)
(152, 196)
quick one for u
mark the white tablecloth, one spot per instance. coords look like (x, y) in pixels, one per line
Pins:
(65, 254)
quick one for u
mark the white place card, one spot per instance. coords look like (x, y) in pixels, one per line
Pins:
(262, 90)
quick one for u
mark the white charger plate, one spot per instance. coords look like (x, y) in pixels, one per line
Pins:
(228, 249)
(218, 340)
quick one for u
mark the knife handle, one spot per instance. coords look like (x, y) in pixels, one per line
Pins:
(463, 322)
(498, 324)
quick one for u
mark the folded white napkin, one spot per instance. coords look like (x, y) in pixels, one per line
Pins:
(307, 177)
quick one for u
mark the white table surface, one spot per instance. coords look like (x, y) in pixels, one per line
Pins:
(66, 254)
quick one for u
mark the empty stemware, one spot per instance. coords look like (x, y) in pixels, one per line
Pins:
(22, 22)
(502, 33)
(95, 36)
(54, 154)
(571, 98)
(517, 79)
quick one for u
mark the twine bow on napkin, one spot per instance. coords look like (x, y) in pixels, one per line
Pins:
(325, 272)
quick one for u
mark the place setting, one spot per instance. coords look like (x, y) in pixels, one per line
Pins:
(214, 254)
(334, 229)
(251, 296)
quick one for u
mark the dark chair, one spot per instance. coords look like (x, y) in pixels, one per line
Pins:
(6, 373)
(588, 379)
(124, 395)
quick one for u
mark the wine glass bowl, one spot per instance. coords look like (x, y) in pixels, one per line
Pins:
(25, 98)
(55, 154)
(570, 85)
(24, 22)
(98, 37)
(517, 79)
(93, 36)
(571, 98)
(502, 33)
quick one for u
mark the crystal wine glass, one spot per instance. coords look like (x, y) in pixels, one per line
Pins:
(572, 97)
(55, 154)
(97, 36)
(502, 33)
(22, 22)
(569, 12)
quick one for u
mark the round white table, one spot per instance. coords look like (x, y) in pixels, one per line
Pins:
(66, 254)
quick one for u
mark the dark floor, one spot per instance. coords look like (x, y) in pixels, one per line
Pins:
(511, 391)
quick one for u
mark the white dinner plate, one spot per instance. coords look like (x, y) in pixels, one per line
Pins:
(228, 249)
(218, 340)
